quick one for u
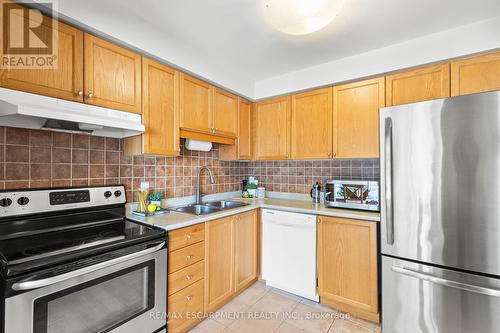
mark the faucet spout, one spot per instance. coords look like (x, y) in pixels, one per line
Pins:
(210, 178)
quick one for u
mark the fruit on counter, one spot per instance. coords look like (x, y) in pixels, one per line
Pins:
(246, 195)
(151, 208)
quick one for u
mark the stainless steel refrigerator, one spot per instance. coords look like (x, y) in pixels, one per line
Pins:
(440, 229)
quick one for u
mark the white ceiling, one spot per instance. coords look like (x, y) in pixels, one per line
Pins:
(229, 41)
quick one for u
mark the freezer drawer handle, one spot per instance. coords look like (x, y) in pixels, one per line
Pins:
(447, 283)
(389, 208)
(66, 276)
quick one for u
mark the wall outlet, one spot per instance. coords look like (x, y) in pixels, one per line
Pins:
(144, 186)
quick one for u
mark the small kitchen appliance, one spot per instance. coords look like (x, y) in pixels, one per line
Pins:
(316, 193)
(352, 194)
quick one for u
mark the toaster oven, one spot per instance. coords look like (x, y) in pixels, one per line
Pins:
(352, 194)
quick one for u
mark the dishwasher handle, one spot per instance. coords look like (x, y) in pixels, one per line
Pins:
(299, 225)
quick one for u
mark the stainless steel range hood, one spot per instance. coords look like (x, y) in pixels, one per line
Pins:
(20, 109)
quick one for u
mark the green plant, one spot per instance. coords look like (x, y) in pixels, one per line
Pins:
(157, 196)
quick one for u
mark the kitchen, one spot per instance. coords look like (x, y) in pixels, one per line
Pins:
(200, 185)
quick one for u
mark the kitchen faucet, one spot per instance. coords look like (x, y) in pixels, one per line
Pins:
(211, 178)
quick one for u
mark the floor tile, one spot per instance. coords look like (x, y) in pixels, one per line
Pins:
(274, 302)
(347, 326)
(312, 319)
(364, 323)
(208, 326)
(287, 328)
(251, 325)
(231, 311)
(254, 293)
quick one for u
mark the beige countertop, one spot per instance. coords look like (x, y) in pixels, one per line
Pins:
(175, 220)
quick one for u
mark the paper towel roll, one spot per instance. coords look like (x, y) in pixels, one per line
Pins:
(198, 145)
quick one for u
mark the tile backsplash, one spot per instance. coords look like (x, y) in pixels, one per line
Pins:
(299, 176)
(37, 158)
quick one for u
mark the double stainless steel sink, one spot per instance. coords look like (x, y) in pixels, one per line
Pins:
(209, 207)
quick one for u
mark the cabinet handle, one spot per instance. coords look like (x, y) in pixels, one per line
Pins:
(90, 95)
(329, 154)
(189, 277)
(189, 298)
(189, 257)
(334, 154)
(189, 236)
(79, 93)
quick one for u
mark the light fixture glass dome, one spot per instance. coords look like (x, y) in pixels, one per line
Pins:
(301, 17)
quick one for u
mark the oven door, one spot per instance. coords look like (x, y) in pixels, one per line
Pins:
(124, 294)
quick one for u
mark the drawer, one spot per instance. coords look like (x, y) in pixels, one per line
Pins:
(180, 238)
(182, 305)
(186, 256)
(184, 277)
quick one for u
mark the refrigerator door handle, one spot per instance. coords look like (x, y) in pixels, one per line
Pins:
(389, 208)
(447, 283)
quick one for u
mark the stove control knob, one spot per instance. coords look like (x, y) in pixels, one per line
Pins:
(5, 202)
(118, 193)
(23, 201)
(107, 194)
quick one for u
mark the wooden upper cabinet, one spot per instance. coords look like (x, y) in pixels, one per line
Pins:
(112, 75)
(347, 265)
(311, 134)
(225, 113)
(272, 123)
(244, 130)
(475, 75)
(355, 118)
(64, 81)
(242, 150)
(219, 262)
(196, 104)
(160, 114)
(246, 249)
(418, 85)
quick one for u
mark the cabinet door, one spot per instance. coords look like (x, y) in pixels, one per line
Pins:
(219, 262)
(196, 104)
(112, 75)
(246, 238)
(66, 80)
(225, 113)
(244, 130)
(160, 99)
(418, 85)
(312, 114)
(476, 74)
(347, 265)
(355, 118)
(272, 125)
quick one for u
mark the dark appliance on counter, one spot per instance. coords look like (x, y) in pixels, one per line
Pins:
(352, 194)
(70, 261)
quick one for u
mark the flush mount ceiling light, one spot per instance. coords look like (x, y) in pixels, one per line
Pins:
(301, 17)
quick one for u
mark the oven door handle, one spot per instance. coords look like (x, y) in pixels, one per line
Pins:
(28, 285)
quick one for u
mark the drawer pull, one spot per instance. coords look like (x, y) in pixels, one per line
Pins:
(189, 298)
(189, 277)
(189, 236)
(189, 257)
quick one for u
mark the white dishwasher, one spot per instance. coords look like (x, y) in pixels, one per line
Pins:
(289, 252)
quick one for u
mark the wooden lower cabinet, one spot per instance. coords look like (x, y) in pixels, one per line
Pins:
(246, 249)
(231, 257)
(186, 271)
(182, 307)
(347, 266)
(219, 269)
(209, 264)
